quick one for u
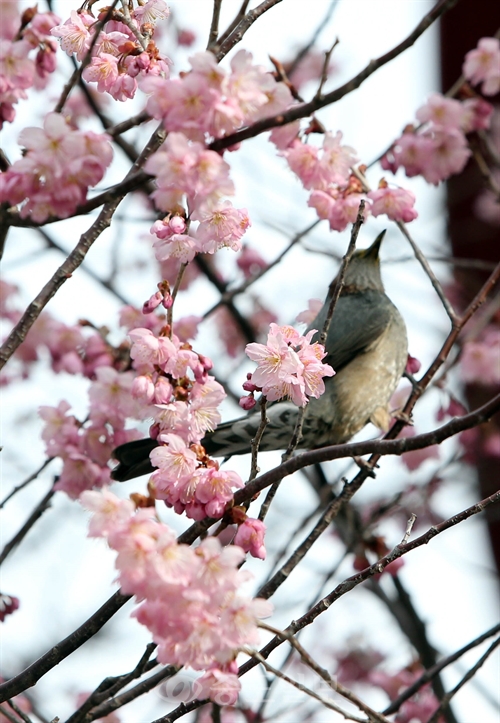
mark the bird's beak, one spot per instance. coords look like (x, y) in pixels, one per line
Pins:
(372, 251)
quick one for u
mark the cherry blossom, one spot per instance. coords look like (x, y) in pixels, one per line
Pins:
(54, 176)
(209, 101)
(285, 371)
(395, 203)
(482, 65)
(250, 537)
(190, 597)
(480, 360)
(19, 70)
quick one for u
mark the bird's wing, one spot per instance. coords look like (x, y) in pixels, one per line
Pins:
(358, 322)
(235, 437)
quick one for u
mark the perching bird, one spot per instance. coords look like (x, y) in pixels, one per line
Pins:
(366, 346)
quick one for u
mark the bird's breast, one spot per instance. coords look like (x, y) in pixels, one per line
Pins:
(362, 389)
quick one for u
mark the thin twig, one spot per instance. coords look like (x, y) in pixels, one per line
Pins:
(437, 668)
(339, 282)
(325, 675)
(21, 534)
(26, 482)
(239, 15)
(304, 110)
(24, 717)
(241, 28)
(327, 702)
(72, 642)
(110, 686)
(214, 25)
(170, 310)
(269, 588)
(319, 28)
(446, 700)
(324, 72)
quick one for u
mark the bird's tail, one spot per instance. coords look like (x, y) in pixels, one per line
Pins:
(230, 438)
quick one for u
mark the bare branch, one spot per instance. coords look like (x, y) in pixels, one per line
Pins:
(306, 109)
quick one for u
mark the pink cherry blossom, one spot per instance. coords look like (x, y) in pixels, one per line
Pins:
(276, 360)
(54, 175)
(109, 511)
(477, 115)
(103, 70)
(307, 316)
(449, 155)
(414, 152)
(250, 262)
(396, 203)
(336, 160)
(190, 597)
(74, 34)
(173, 457)
(284, 136)
(441, 111)
(480, 360)
(303, 160)
(219, 686)
(288, 366)
(221, 226)
(215, 489)
(151, 12)
(482, 65)
(314, 370)
(79, 473)
(111, 396)
(250, 537)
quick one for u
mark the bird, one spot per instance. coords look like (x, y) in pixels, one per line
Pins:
(367, 347)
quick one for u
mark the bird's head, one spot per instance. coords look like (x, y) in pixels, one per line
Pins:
(363, 271)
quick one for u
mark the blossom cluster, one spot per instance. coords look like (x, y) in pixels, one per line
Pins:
(85, 449)
(210, 101)
(482, 65)
(439, 148)
(480, 360)
(289, 365)
(360, 666)
(191, 599)
(27, 55)
(183, 401)
(189, 174)
(59, 166)
(335, 192)
(123, 51)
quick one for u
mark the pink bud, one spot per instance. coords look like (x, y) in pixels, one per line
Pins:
(143, 388)
(247, 403)
(250, 537)
(206, 363)
(167, 301)
(162, 391)
(152, 303)
(177, 224)
(250, 387)
(412, 365)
